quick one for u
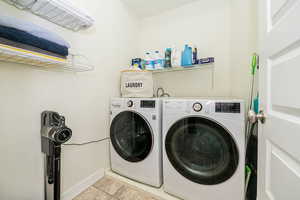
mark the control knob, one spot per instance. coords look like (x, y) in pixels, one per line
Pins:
(197, 107)
(130, 103)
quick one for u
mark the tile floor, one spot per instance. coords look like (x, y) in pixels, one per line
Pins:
(109, 188)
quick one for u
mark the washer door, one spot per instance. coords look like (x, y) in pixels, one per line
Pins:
(131, 136)
(202, 151)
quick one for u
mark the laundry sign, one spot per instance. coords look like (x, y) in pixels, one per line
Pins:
(136, 83)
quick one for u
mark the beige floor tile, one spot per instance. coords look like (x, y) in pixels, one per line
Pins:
(129, 193)
(108, 185)
(93, 194)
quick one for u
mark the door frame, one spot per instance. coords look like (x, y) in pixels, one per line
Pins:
(262, 30)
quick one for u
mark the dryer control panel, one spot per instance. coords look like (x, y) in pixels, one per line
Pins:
(204, 106)
(228, 107)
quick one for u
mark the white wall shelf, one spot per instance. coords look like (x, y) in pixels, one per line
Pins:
(60, 12)
(74, 63)
(187, 68)
(208, 66)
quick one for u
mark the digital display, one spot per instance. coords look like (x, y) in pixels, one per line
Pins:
(228, 107)
(148, 104)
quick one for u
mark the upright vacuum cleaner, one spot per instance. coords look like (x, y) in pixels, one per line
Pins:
(54, 133)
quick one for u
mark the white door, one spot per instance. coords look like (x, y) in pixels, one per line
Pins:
(279, 137)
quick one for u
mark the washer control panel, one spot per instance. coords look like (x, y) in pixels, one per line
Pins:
(147, 104)
(197, 107)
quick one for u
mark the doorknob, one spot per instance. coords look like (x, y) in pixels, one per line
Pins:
(253, 117)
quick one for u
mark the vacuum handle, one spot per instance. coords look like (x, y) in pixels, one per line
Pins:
(62, 121)
(50, 169)
(57, 173)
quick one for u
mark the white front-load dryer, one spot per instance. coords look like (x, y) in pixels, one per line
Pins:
(204, 149)
(136, 141)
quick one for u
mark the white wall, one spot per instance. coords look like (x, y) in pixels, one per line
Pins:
(224, 29)
(243, 45)
(83, 98)
(205, 24)
(154, 7)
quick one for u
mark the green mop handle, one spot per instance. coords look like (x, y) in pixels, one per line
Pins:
(254, 64)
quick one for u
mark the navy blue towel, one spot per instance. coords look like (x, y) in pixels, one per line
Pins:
(26, 38)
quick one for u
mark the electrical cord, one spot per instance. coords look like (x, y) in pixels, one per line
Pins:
(85, 143)
(160, 92)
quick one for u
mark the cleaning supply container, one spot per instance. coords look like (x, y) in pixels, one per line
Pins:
(168, 58)
(158, 60)
(149, 62)
(187, 56)
(176, 57)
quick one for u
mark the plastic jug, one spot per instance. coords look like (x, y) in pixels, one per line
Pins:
(149, 65)
(158, 61)
(168, 57)
(187, 56)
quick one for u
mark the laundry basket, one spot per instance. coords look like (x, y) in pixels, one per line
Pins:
(136, 83)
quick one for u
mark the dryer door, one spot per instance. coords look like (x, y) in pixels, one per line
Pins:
(131, 136)
(202, 150)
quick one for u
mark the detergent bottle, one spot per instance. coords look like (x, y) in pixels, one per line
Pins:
(187, 56)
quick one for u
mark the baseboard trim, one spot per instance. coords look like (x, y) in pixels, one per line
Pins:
(83, 185)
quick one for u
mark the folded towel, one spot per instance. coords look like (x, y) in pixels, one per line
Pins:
(32, 29)
(29, 39)
(62, 5)
(21, 3)
(28, 47)
(62, 13)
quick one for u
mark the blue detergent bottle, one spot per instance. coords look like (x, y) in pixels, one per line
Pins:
(187, 56)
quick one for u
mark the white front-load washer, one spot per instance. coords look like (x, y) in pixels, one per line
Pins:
(204, 149)
(136, 140)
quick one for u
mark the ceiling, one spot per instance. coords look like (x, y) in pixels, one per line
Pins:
(148, 8)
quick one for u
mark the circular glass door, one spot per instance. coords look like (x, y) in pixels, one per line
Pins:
(202, 151)
(131, 136)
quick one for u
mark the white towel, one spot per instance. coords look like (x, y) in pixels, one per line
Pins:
(33, 29)
(62, 12)
(77, 11)
(21, 3)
